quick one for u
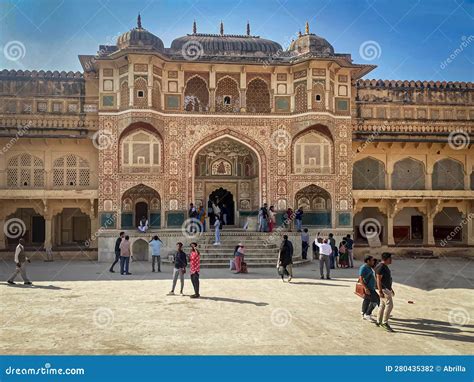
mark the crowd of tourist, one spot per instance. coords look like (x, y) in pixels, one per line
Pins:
(374, 282)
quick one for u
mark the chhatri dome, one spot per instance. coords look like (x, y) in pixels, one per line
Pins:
(140, 38)
(227, 44)
(311, 43)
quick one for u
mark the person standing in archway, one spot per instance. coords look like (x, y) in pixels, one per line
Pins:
(210, 213)
(217, 229)
(271, 218)
(299, 219)
(216, 209)
(225, 214)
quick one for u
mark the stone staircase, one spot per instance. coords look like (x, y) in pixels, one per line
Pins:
(260, 249)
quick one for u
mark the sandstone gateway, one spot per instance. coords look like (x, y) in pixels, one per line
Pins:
(145, 130)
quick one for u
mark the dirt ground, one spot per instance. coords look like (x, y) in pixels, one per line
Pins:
(81, 308)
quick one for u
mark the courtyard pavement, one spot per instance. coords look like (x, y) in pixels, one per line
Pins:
(80, 308)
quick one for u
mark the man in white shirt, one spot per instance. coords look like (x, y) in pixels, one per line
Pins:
(325, 251)
(20, 262)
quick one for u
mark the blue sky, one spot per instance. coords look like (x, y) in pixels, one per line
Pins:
(412, 39)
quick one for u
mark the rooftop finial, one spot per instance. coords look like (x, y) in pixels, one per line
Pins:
(248, 28)
(139, 22)
(222, 28)
(300, 34)
(194, 27)
(306, 30)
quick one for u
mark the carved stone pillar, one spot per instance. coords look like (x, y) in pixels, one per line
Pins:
(390, 239)
(428, 237)
(48, 231)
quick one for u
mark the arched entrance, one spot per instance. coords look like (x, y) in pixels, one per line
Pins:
(140, 250)
(140, 201)
(316, 204)
(408, 226)
(225, 200)
(229, 170)
(26, 224)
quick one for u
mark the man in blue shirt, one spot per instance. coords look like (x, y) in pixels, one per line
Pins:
(299, 218)
(367, 279)
(155, 246)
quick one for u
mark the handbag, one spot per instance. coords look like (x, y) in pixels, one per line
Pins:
(360, 290)
(281, 270)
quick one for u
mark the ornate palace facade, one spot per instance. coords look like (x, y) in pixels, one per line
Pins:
(145, 130)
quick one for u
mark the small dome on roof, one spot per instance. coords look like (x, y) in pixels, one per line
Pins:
(139, 37)
(311, 43)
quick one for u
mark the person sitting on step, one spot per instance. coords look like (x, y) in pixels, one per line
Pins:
(143, 225)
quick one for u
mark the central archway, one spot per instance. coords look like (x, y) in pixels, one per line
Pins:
(138, 202)
(232, 165)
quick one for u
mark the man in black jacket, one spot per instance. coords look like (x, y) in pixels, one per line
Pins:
(285, 259)
(180, 263)
(117, 251)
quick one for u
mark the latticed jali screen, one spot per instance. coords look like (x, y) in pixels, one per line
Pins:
(25, 170)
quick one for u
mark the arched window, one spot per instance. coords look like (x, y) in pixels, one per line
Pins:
(25, 171)
(140, 98)
(408, 174)
(368, 174)
(141, 151)
(318, 96)
(196, 95)
(227, 95)
(71, 171)
(124, 95)
(313, 154)
(448, 174)
(258, 96)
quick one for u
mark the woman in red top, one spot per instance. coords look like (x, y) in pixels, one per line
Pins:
(195, 262)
